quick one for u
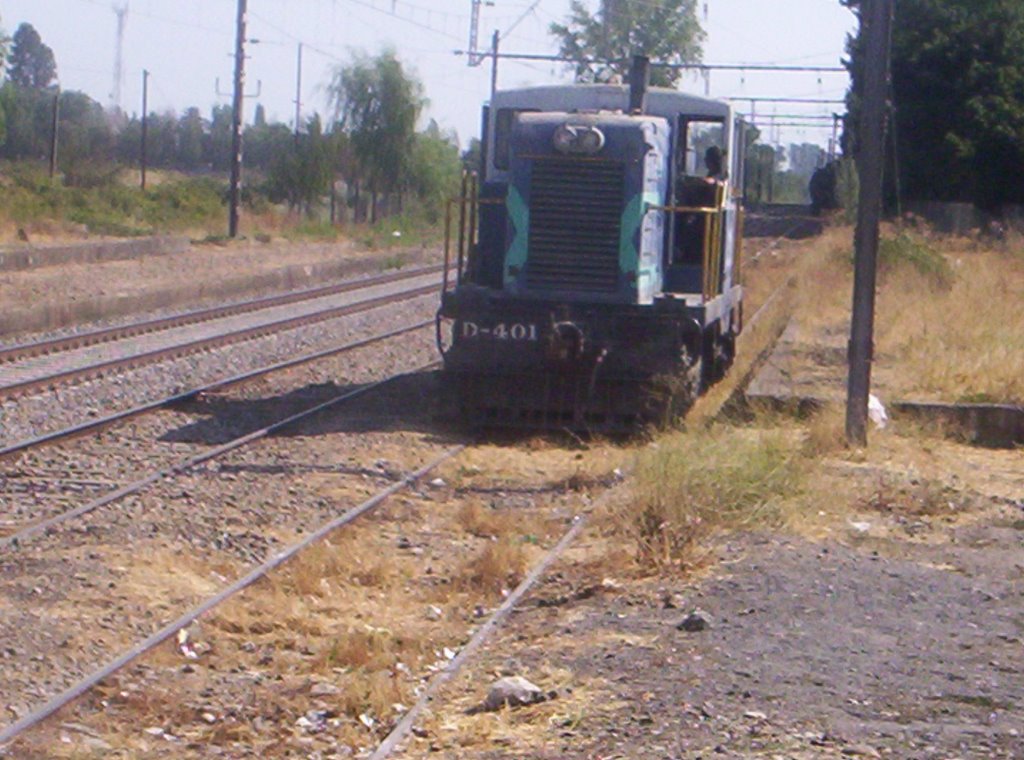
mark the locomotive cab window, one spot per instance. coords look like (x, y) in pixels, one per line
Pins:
(702, 148)
(701, 168)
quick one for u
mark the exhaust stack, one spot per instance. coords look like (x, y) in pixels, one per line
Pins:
(639, 82)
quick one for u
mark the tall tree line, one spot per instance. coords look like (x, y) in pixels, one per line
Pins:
(957, 127)
(371, 143)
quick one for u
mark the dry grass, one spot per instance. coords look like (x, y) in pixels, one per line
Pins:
(826, 432)
(964, 342)
(485, 522)
(915, 498)
(691, 485)
(500, 566)
(949, 322)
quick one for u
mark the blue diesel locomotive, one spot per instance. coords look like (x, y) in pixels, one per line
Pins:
(592, 267)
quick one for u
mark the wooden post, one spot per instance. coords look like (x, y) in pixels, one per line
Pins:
(876, 25)
(145, 127)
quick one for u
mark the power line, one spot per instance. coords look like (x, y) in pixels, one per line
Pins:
(408, 20)
(814, 101)
(521, 18)
(798, 116)
(664, 65)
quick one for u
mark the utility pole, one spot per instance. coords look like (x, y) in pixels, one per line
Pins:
(121, 11)
(236, 121)
(474, 33)
(876, 26)
(54, 131)
(298, 95)
(494, 64)
(145, 126)
(833, 147)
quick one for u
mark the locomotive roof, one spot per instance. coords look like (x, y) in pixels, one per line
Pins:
(661, 101)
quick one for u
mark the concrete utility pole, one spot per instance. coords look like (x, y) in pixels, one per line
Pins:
(145, 127)
(833, 145)
(876, 26)
(121, 11)
(298, 95)
(54, 133)
(236, 121)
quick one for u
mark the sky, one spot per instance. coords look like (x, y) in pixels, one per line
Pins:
(186, 45)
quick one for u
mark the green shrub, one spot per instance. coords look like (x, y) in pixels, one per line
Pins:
(907, 250)
(99, 201)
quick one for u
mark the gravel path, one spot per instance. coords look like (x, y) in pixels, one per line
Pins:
(34, 415)
(904, 645)
(33, 368)
(273, 676)
(79, 596)
(53, 287)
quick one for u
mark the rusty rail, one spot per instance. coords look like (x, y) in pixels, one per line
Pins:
(106, 335)
(191, 347)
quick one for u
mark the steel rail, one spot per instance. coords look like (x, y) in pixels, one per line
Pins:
(402, 729)
(98, 424)
(800, 222)
(202, 344)
(405, 725)
(109, 334)
(74, 692)
(16, 539)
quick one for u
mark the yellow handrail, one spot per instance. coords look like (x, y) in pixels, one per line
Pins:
(711, 254)
(468, 202)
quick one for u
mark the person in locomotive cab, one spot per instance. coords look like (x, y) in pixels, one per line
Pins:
(713, 161)
(700, 192)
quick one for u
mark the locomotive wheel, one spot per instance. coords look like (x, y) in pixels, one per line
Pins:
(670, 396)
(719, 352)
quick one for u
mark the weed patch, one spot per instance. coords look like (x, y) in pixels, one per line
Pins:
(501, 565)
(906, 250)
(691, 485)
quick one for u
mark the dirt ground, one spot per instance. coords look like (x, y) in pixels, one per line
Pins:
(213, 263)
(885, 620)
(870, 631)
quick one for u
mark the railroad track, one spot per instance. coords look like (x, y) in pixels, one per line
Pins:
(93, 337)
(18, 535)
(46, 364)
(433, 456)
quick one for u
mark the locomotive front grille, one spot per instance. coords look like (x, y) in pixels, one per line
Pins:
(575, 224)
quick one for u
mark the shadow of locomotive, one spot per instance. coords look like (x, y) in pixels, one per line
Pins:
(411, 403)
(407, 404)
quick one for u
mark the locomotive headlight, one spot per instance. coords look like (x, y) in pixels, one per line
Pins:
(591, 141)
(571, 138)
(565, 139)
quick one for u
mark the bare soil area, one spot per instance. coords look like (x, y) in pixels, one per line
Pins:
(865, 629)
(198, 273)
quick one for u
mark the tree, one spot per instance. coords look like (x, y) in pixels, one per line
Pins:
(805, 159)
(666, 31)
(435, 169)
(302, 173)
(4, 40)
(28, 115)
(378, 104)
(86, 139)
(31, 64)
(958, 96)
(191, 131)
(218, 141)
